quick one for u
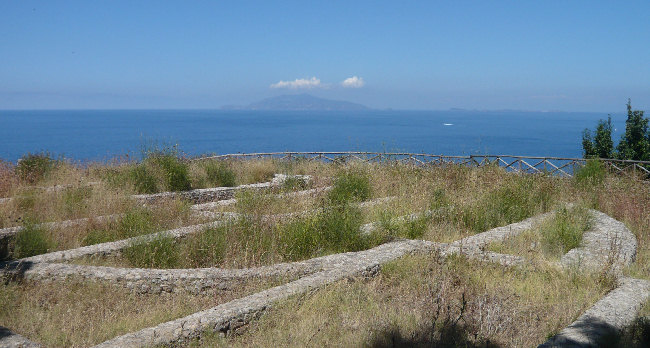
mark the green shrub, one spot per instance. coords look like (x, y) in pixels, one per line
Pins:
(134, 223)
(392, 227)
(339, 229)
(293, 183)
(592, 174)
(205, 249)
(334, 230)
(31, 240)
(160, 252)
(143, 181)
(564, 231)
(514, 201)
(34, 167)
(350, 186)
(219, 174)
(174, 171)
(298, 239)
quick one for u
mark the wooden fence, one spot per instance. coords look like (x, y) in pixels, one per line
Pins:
(525, 164)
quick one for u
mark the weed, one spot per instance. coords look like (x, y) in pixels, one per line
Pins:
(591, 175)
(174, 171)
(351, 185)
(134, 223)
(293, 183)
(219, 174)
(143, 180)
(205, 249)
(298, 239)
(510, 203)
(391, 227)
(31, 240)
(33, 167)
(160, 252)
(564, 231)
(74, 199)
(333, 230)
(8, 178)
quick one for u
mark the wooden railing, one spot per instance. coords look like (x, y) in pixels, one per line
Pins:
(525, 164)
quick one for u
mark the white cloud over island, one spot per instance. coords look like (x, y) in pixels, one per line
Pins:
(353, 82)
(298, 84)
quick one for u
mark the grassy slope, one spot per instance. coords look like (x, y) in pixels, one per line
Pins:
(467, 201)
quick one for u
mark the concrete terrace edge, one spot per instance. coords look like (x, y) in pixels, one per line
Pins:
(608, 243)
(234, 314)
(13, 340)
(615, 311)
(217, 193)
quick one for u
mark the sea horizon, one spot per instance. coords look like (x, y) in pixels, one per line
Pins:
(100, 135)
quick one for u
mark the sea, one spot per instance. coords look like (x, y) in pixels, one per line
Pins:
(102, 135)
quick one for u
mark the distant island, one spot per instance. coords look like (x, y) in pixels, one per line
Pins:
(298, 102)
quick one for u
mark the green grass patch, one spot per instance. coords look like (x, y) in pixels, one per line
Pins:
(219, 174)
(31, 240)
(591, 175)
(143, 180)
(135, 222)
(350, 185)
(161, 252)
(550, 239)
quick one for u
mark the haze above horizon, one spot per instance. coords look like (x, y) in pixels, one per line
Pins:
(552, 55)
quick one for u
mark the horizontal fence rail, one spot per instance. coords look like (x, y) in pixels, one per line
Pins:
(560, 166)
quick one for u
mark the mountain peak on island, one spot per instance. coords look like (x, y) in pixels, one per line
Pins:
(300, 102)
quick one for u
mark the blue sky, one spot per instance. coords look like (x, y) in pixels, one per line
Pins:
(534, 55)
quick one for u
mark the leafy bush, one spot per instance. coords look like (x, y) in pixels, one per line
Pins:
(350, 186)
(160, 252)
(635, 143)
(601, 146)
(31, 240)
(219, 174)
(34, 167)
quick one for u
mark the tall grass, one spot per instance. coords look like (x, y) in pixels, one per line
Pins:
(591, 175)
(33, 167)
(8, 178)
(219, 174)
(564, 231)
(160, 252)
(31, 240)
(135, 222)
(350, 185)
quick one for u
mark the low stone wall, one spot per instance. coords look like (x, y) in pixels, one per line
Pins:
(230, 316)
(217, 193)
(612, 313)
(111, 248)
(9, 232)
(608, 244)
(10, 339)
